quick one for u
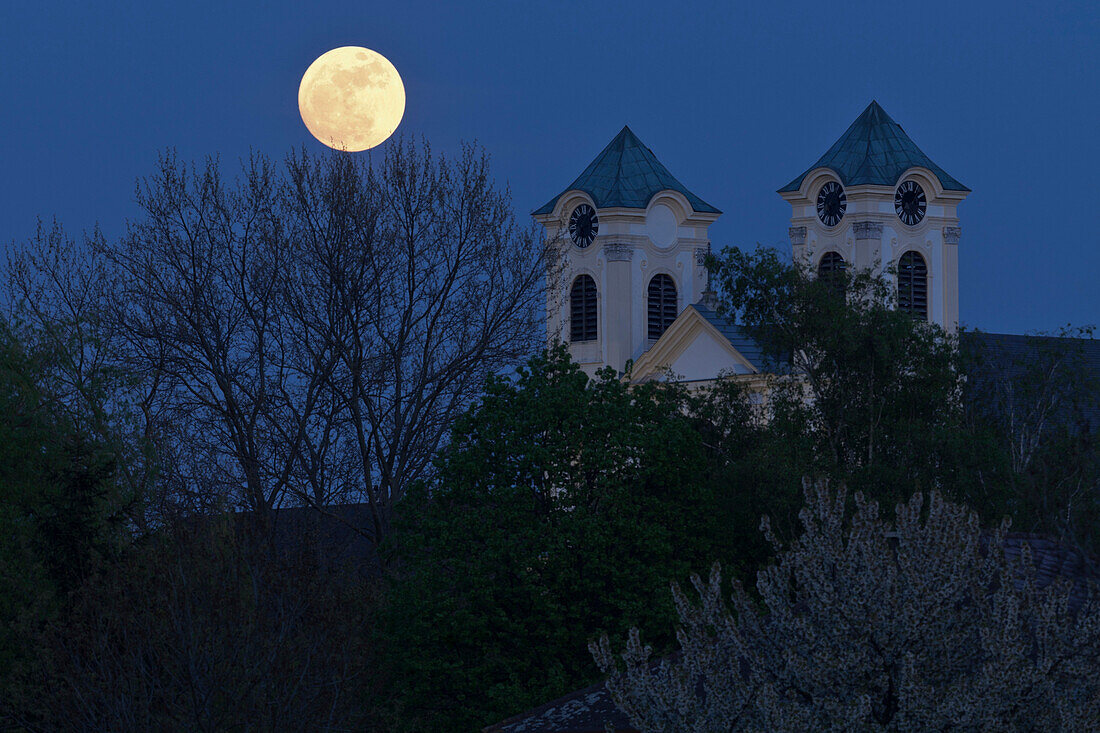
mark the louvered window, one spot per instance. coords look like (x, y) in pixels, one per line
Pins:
(831, 269)
(662, 305)
(913, 285)
(582, 309)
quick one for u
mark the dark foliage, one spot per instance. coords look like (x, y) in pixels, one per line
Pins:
(59, 510)
(869, 397)
(207, 626)
(562, 507)
(1038, 399)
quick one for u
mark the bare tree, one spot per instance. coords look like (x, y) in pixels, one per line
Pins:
(311, 334)
(198, 305)
(1041, 400)
(431, 287)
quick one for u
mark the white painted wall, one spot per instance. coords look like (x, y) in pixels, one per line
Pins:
(705, 358)
(632, 246)
(935, 237)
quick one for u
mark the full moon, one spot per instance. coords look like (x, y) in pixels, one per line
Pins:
(351, 98)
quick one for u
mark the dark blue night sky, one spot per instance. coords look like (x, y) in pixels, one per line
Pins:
(735, 98)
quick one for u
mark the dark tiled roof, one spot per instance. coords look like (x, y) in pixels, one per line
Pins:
(585, 711)
(1009, 356)
(738, 339)
(1053, 560)
(626, 173)
(875, 150)
(590, 710)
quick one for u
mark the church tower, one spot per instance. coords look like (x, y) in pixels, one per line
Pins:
(630, 241)
(874, 200)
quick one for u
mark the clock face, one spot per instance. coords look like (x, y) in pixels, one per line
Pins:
(831, 204)
(910, 203)
(584, 225)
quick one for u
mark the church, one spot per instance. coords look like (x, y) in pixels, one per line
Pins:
(632, 240)
(633, 292)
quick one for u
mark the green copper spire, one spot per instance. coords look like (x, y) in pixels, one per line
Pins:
(876, 151)
(628, 174)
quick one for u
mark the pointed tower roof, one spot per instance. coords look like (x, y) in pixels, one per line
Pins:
(628, 174)
(875, 150)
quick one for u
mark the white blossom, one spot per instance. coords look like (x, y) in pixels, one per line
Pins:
(863, 624)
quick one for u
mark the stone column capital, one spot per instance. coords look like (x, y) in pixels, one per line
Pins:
(951, 235)
(701, 254)
(867, 230)
(797, 235)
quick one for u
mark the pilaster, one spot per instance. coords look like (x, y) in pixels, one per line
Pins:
(868, 239)
(951, 236)
(618, 311)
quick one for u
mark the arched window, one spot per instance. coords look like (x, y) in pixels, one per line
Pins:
(662, 304)
(913, 285)
(831, 269)
(582, 309)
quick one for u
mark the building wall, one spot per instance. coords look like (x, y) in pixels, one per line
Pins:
(871, 236)
(631, 247)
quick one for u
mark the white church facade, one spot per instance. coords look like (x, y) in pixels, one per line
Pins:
(632, 292)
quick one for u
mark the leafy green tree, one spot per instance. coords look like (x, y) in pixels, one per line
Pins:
(23, 593)
(919, 624)
(748, 471)
(864, 394)
(58, 507)
(561, 508)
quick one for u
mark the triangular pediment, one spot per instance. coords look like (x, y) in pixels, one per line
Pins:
(696, 348)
